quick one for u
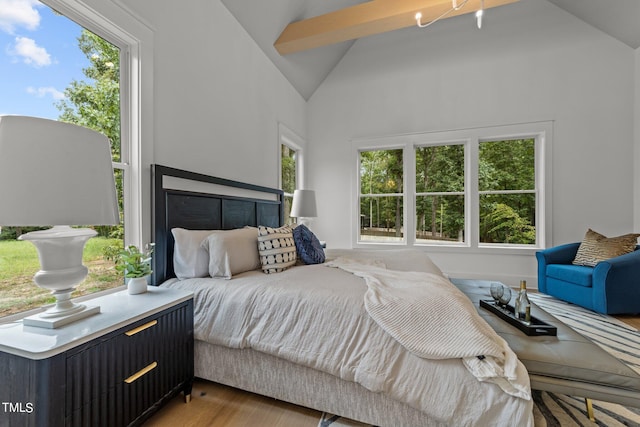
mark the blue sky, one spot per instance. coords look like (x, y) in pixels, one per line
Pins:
(39, 57)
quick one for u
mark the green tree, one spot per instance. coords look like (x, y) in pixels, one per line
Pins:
(288, 160)
(440, 169)
(381, 175)
(507, 165)
(506, 182)
(288, 178)
(95, 103)
(504, 225)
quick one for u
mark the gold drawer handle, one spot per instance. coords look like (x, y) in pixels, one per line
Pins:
(141, 328)
(140, 373)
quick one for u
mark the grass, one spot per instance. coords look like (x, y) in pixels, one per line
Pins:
(19, 262)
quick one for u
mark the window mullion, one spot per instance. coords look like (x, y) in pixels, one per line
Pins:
(409, 167)
(472, 199)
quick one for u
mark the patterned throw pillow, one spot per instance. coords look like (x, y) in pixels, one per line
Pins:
(308, 246)
(277, 248)
(596, 247)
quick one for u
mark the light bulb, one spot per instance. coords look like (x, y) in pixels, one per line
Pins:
(479, 14)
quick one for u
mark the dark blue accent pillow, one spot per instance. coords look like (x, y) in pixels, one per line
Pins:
(308, 246)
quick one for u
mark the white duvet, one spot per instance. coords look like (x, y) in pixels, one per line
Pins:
(433, 319)
(316, 316)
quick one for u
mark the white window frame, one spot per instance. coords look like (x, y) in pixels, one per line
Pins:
(132, 49)
(295, 142)
(541, 132)
(405, 202)
(466, 147)
(136, 85)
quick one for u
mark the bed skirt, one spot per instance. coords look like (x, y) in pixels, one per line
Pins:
(270, 376)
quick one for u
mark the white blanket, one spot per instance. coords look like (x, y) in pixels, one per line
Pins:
(432, 319)
(316, 317)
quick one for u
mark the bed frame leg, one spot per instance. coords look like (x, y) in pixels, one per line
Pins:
(589, 404)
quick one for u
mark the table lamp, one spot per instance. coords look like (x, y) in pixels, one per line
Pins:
(303, 206)
(56, 174)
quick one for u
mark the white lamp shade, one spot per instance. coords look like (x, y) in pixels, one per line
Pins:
(304, 204)
(54, 173)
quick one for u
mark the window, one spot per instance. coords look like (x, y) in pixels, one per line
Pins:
(507, 191)
(290, 160)
(440, 195)
(109, 64)
(381, 196)
(473, 188)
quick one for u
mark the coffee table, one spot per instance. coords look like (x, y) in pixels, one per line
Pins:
(568, 363)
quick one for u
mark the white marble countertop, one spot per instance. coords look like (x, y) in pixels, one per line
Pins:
(117, 309)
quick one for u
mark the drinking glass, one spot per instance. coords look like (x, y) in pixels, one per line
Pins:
(506, 296)
(496, 289)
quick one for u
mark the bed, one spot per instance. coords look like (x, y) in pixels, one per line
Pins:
(309, 335)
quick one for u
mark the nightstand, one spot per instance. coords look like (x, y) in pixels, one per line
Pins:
(112, 369)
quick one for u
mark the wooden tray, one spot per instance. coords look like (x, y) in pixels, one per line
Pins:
(536, 327)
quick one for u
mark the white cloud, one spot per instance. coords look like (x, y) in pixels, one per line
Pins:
(41, 92)
(18, 14)
(30, 52)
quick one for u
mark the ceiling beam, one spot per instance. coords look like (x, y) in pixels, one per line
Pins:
(366, 19)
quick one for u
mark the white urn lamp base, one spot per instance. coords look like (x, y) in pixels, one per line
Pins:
(41, 320)
(60, 251)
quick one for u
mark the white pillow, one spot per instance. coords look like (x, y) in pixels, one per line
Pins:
(232, 251)
(190, 259)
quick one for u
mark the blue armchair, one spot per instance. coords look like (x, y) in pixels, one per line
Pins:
(611, 287)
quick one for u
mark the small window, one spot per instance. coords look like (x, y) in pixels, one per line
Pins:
(289, 166)
(381, 196)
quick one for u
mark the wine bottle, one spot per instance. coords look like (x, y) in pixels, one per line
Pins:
(523, 305)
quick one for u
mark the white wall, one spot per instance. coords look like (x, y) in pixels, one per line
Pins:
(218, 98)
(636, 179)
(531, 61)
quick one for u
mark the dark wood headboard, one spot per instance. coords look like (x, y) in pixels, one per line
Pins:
(238, 205)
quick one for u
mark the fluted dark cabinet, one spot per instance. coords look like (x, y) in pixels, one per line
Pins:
(99, 376)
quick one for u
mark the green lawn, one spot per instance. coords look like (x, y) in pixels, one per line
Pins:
(19, 262)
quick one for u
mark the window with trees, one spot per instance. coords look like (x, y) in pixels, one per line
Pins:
(507, 191)
(92, 100)
(440, 195)
(478, 188)
(381, 196)
(290, 159)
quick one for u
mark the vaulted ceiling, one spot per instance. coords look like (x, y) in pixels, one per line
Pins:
(306, 70)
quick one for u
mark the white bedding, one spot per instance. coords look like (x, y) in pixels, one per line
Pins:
(315, 316)
(433, 319)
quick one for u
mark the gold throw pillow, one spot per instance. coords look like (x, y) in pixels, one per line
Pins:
(596, 247)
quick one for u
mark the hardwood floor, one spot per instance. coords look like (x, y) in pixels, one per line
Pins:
(633, 321)
(215, 405)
